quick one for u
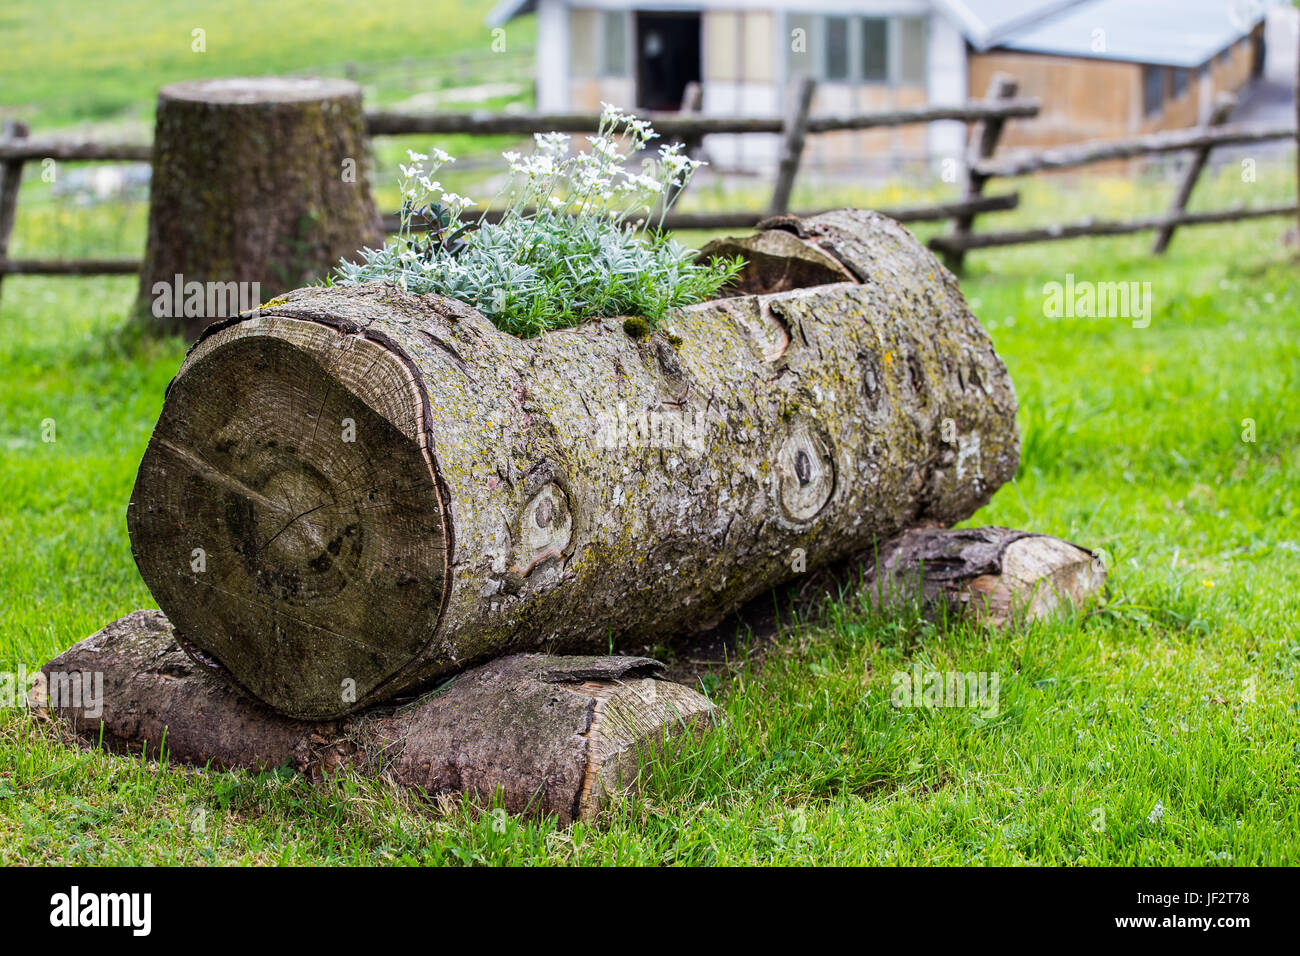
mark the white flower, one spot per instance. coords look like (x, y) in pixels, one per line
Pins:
(552, 143)
(642, 129)
(611, 113)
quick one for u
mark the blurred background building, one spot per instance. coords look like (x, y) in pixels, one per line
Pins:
(1102, 68)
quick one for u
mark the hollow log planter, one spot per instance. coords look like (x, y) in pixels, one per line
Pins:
(255, 180)
(551, 736)
(357, 491)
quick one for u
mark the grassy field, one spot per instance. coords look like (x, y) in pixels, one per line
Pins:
(1160, 728)
(70, 62)
(1181, 693)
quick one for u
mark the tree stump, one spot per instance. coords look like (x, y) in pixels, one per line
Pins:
(260, 180)
(358, 490)
(554, 736)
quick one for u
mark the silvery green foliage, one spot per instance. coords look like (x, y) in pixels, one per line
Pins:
(577, 239)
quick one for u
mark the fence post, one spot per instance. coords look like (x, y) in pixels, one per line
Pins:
(1001, 87)
(1223, 106)
(11, 175)
(692, 101)
(692, 105)
(793, 133)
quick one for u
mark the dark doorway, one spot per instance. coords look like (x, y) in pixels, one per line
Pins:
(667, 58)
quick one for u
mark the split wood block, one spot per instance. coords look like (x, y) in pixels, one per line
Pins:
(547, 735)
(1000, 576)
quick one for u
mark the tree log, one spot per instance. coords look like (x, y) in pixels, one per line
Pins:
(555, 736)
(997, 576)
(258, 180)
(358, 490)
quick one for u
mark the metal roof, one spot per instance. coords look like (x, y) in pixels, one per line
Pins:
(984, 22)
(1185, 33)
(506, 10)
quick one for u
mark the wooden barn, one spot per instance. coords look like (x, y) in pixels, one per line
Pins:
(1103, 68)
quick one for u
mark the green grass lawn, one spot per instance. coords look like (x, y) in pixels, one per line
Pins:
(72, 62)
(1180, 692)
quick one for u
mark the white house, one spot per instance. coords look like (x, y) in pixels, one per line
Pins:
(1101, 67)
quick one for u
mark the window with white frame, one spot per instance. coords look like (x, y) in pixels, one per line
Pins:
(851, 49)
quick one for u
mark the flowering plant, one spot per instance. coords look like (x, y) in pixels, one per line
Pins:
(576, 239)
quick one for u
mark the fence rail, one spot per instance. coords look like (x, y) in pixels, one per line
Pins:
(23, 150)
(677, 125)
(747, 219)
(1089, 227)
(1022, 162)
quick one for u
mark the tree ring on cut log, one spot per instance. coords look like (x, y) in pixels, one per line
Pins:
(805, 470)
(297, 489)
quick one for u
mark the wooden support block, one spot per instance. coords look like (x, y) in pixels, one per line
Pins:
(553, 736)
(998, 575)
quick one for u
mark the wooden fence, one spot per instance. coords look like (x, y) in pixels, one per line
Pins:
(794, 127)
(983, 166)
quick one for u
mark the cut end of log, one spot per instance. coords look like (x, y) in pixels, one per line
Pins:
(244, 90)
(531, 733)
(291, 513)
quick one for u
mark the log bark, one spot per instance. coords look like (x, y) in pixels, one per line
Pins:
(998, 576)
(360, 488)
(258, 180)
(554, 736)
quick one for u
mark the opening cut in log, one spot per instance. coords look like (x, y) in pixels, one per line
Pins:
(358, 491)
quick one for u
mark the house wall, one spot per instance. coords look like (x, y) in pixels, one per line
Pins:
(1085, 99)
(1081, 99)
(742, 68)
(735, 82)
(591, 79)
(745, 67)
(552, 69)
